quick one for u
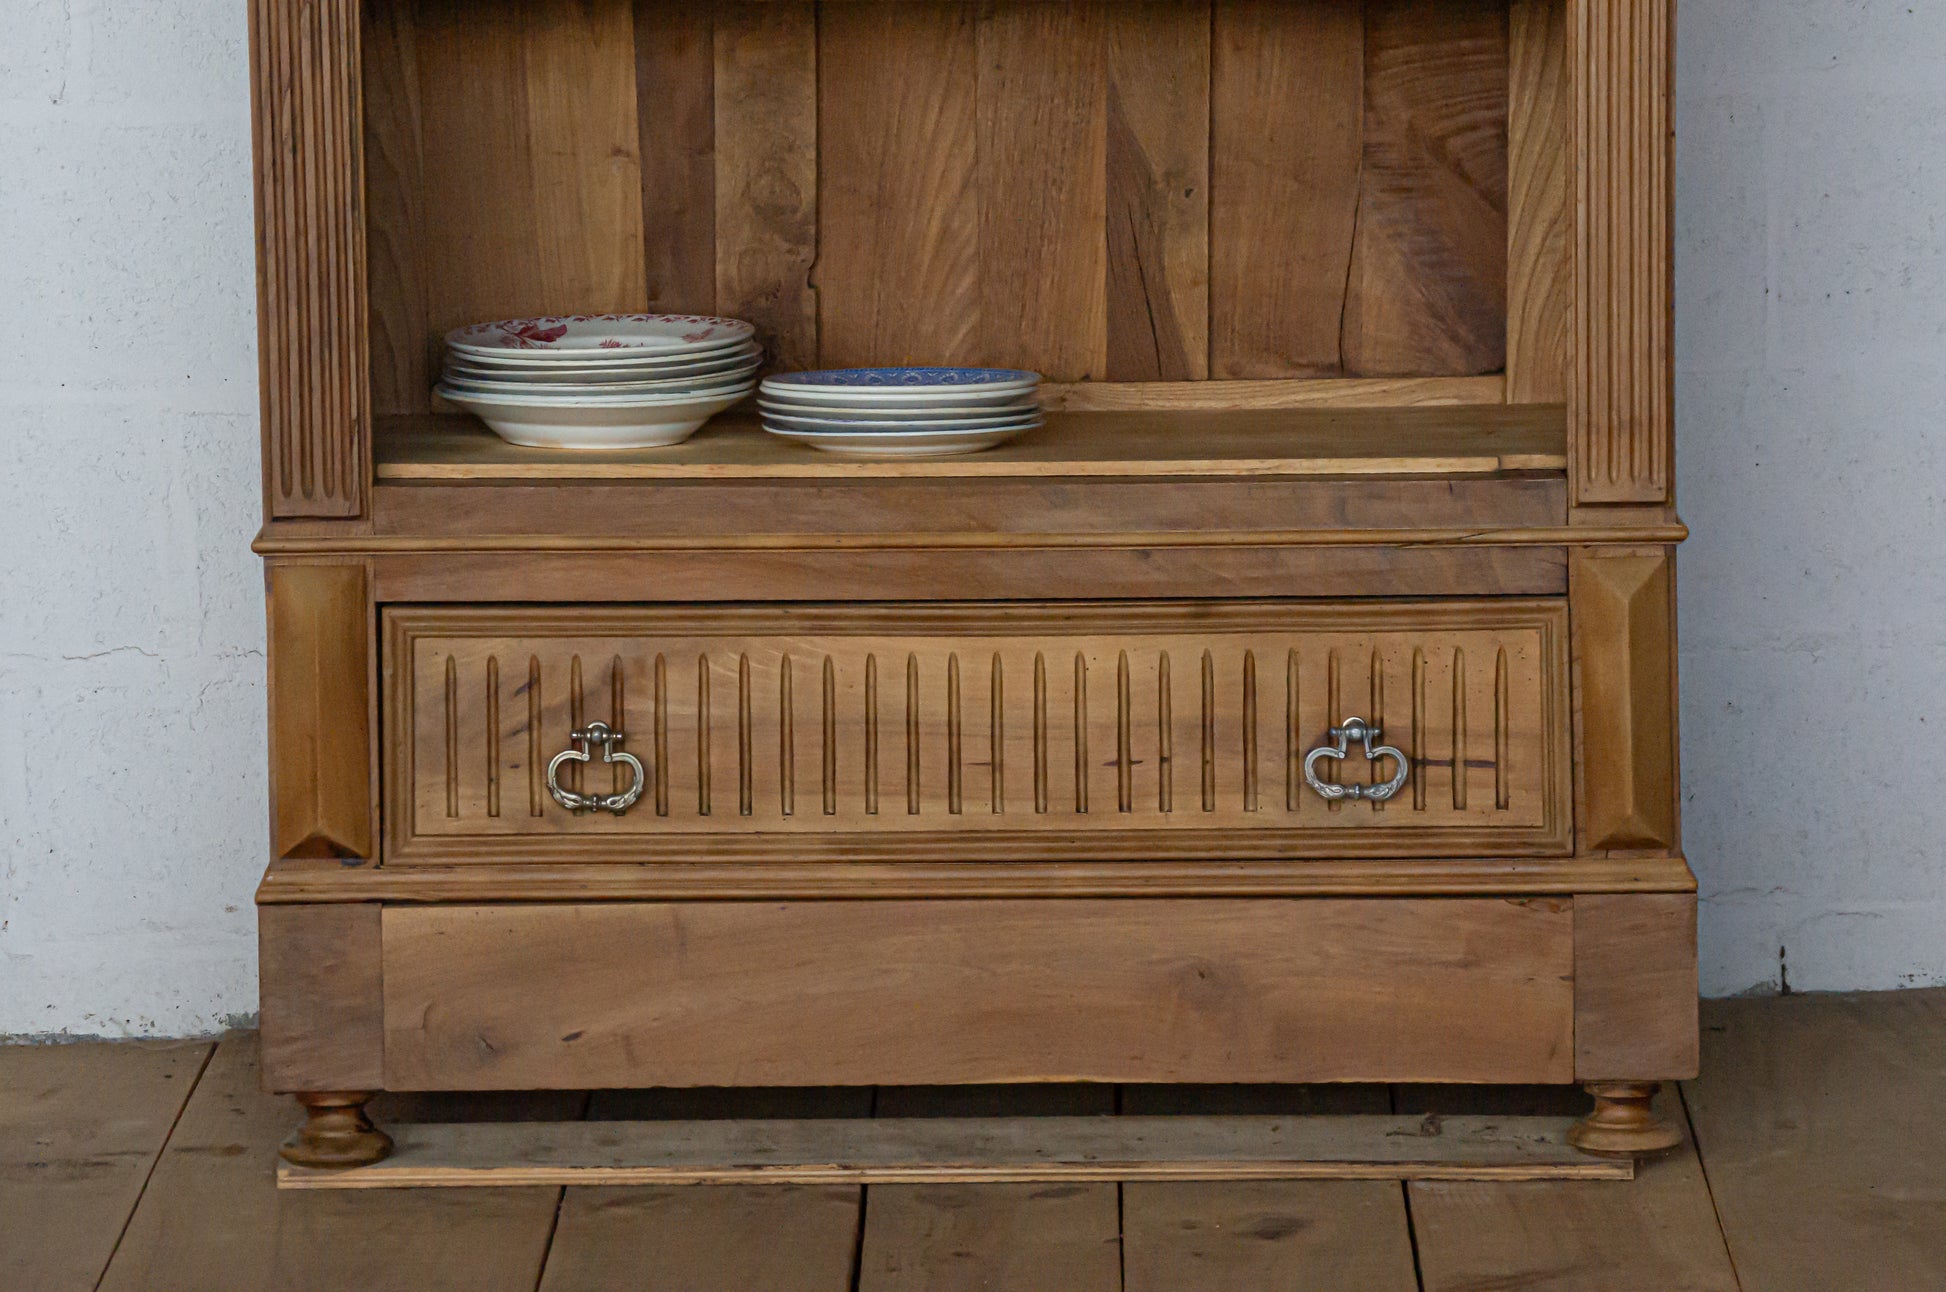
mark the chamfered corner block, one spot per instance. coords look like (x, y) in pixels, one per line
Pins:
(320, 644)
(1621, 604)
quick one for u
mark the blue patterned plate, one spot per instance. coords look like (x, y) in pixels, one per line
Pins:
(902, 387)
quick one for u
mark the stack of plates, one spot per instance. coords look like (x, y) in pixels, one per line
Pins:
(901, 412)
(602, 381)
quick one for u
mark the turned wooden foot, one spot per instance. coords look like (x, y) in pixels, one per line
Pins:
(336, 1133)
(1623, 1124)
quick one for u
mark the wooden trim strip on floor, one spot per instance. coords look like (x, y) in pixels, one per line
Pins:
(972, 1150)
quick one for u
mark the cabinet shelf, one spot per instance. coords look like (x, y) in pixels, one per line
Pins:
(1470, 440)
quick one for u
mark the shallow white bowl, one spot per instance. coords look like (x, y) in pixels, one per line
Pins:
(599, 335)
(893, 444)
(553, 392)
(628, 423)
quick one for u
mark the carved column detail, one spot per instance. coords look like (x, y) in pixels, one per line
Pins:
(310, 255)
(1619, 400)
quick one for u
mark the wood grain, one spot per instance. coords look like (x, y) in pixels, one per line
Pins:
(1395, 565)
(1286, 143)
(1321, 392)
(780, 1238)
(899, 205)
(1817, 1116)
(1635, 987)
(1540, 203)
(1657, 1232)
(323, 1025)
(1123, 990)
(311, 312)
(444, 671)
(675, 90)
(767, 173)
(1158, 194)
(1426, 292)
(1433, 440)
(532, 198)
(1620, 401)
(80, 1126)
(1623, 612)
(320, 660)
(1042, 149)
(1265, 1234)
(213, 1219)
(400, 336)
(739, 513)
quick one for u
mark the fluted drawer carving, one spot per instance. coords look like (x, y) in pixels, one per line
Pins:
(1045, 731)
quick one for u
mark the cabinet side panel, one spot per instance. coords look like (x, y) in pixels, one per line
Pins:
(310, 256)
(1635, 987)
(320, 724)
(322, 1017)
(847, 993)
(1619, 403)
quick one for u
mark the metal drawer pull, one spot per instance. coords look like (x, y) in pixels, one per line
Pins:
(1355, 729)
(598, 733)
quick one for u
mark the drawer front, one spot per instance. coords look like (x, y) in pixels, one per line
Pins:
(858, 993)
(1044, 731)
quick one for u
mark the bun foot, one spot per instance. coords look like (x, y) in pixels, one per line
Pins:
(336, 1133)
(1623, 1124)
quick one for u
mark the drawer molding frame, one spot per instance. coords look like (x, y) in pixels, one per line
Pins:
(405, 626)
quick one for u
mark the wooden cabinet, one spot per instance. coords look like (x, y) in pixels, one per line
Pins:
(1355, 320)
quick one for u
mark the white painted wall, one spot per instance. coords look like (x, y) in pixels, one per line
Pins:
(1810, 396)
(1811, 369)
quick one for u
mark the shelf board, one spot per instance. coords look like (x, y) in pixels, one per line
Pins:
(1472, 440)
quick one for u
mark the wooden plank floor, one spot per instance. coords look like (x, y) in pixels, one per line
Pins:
(1815, 1159)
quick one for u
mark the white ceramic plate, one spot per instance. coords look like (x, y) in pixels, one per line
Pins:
(911, 426)
(880, 444)
(594, 336)
(851, 399)
(943, 413)
(553, 392)
(596, 423)
(618, 361)
(902, 387)
(653, 368)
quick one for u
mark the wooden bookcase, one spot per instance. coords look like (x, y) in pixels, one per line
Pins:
(1356, 323)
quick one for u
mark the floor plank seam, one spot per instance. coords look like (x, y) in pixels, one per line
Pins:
(1412, 1236)
(1709, 1190)
(209, 1053)
(858, 1238)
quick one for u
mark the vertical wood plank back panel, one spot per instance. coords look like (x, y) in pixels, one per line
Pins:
(1427, 291)
(1540, 195)
(311, 256)
(395, 218)
(1286, 137)
(675, 90)
(1619, 405)
(319, 650)
(1158, 99)
(899, 210)
(767, 172)
(532, 173)
(1042, 148)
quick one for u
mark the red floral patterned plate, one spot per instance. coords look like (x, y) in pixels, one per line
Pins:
(600, 336)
